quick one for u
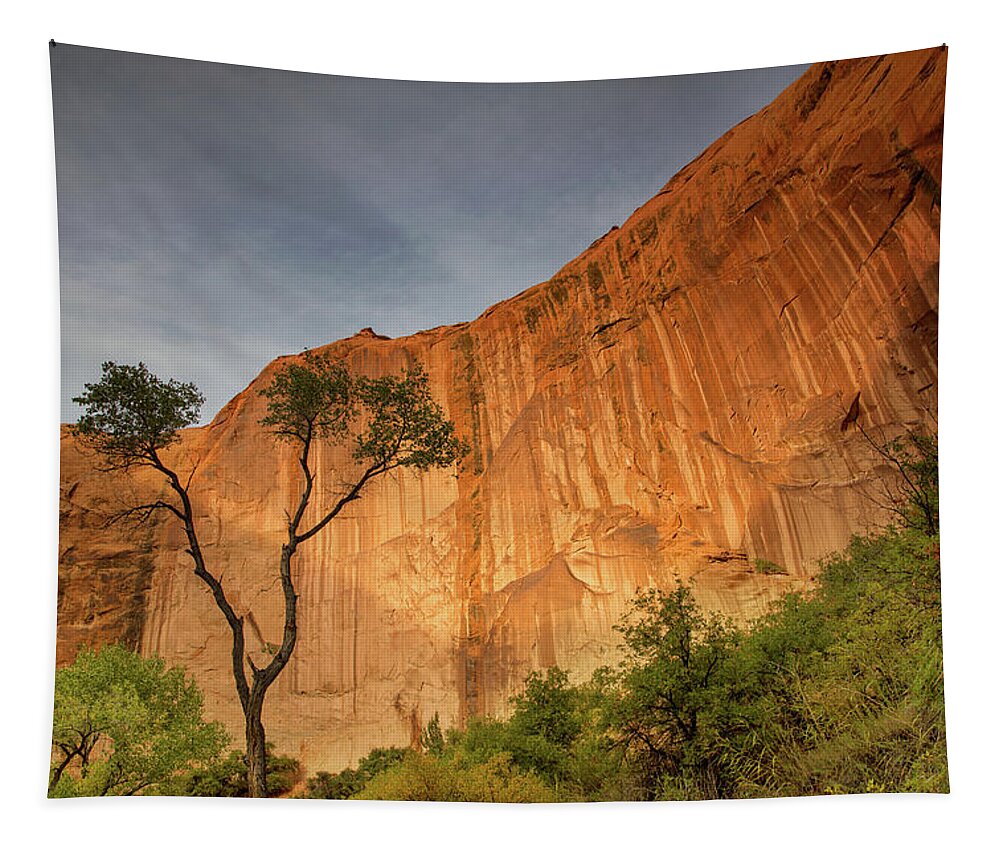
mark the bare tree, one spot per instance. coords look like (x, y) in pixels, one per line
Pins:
(912, 495)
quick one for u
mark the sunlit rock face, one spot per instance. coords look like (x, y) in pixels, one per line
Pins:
(669, 406)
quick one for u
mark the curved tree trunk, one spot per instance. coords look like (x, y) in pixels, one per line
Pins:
(256, 752)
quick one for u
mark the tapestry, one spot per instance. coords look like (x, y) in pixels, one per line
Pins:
(498, 442)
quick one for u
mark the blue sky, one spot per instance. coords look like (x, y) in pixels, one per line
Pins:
(213, 217)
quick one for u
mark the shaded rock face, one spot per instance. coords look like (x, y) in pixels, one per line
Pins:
(667, 407)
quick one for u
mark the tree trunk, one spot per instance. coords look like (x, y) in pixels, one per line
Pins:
(256, 747)
(57, 772)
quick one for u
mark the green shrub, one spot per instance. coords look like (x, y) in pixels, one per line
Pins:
(351, 781)
(227, 778)
(769, 568)
(420, 777)
(338, 786)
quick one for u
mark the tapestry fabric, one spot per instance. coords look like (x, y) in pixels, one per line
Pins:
(498, 442)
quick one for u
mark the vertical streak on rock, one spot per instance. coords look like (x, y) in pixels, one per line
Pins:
(354, 640)
(135, 614)
(468, 390)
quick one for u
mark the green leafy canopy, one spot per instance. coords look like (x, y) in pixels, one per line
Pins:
(404, 425)
(123, 724)
(130, 414)
(308, 399)
(393, 420)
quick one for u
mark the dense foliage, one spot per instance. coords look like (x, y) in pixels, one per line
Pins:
(123, 724)
(351, 781)
(420, 777)
(130, 415)
(227, 778)
(839, 691)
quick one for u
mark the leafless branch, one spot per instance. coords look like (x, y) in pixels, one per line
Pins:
(142, 513)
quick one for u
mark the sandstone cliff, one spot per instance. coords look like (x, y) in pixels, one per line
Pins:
(667, 405)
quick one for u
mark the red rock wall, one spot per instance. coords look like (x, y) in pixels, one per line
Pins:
(667, 406)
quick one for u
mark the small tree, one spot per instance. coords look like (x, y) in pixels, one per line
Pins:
(397, 424)
(432, 737)
(123, 724)
(391, 422)
(672, 686)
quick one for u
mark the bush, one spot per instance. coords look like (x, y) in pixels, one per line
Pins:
(546, 708)
(227, 778)
(541, 736)
(351, 781)
(420, 777)
(339, 786)
(674, 699)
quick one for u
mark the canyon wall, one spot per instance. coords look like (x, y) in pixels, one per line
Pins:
(669, 406)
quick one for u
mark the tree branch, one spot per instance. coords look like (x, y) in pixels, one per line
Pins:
(142, 513)
(349, 497)
(293, 524)
(201, 571)
(57, 772)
